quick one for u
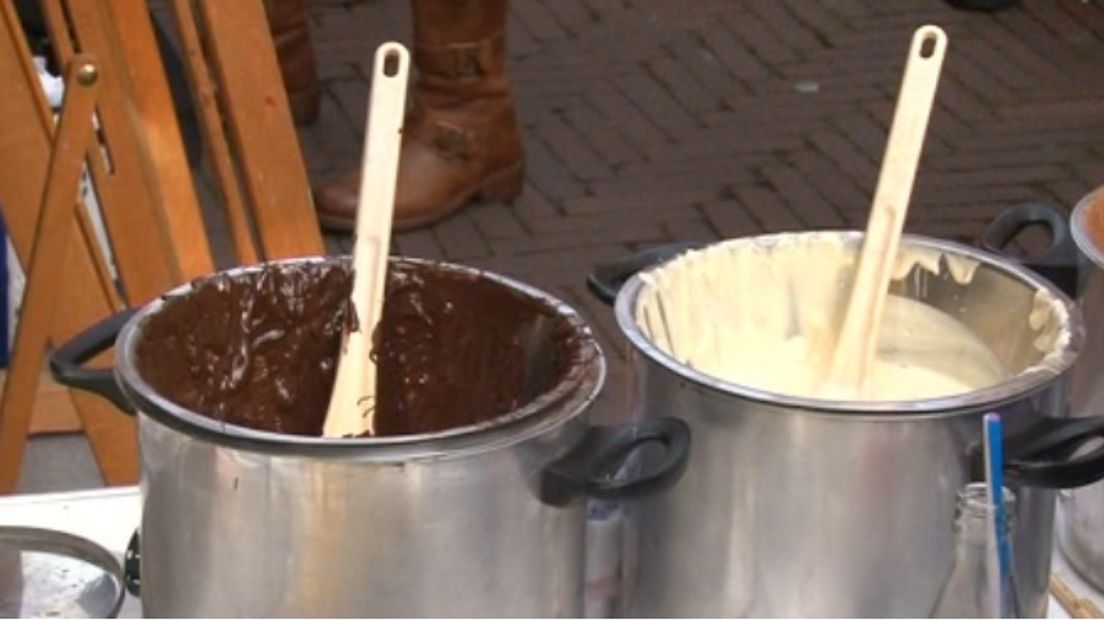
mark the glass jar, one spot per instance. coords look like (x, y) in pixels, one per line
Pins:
(968, 591)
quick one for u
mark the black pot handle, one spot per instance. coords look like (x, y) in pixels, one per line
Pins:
(589, 469)
(1060, 263)
(132, 565)
(66, 361)
(606, 280)
(1043, 455)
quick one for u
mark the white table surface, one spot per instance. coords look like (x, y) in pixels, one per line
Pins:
(109, 517)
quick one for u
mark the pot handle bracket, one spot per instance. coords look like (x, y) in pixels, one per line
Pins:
(66, 361)
(1044, 455)
(590, 468)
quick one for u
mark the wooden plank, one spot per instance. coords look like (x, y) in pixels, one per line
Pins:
(1077, 606)
(26, 139)
(263, 134)
(54, 411)
(217, 146)
(47, 264)
(159, 135)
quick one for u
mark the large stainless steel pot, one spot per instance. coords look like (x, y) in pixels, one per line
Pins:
(1076, 263)
(485, 520)
(1081, 521)
(802, 507)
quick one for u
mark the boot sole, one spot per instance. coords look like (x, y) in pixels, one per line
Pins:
(501, 186)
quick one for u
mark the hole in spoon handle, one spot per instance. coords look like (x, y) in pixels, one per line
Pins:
(929, 42)
(391, 64)
(392, 60)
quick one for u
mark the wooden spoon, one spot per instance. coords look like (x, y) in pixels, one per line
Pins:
(352, 404)
(856, 346)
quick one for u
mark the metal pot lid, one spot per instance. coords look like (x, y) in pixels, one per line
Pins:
(47, 573)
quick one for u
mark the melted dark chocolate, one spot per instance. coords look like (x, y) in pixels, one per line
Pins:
(259, 350)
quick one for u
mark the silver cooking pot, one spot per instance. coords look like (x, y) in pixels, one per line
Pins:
(483, 520)
(1074, 261)
(803, 507)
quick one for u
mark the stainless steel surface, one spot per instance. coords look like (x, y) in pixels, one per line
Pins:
(801, 507)
(1081, 514)
(108, 517)
(230, 533)
(238, 522)
(47, 573)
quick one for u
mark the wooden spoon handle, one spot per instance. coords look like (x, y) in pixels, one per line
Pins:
(377, 188)
(856, 346)
(910, 125)
(387, 104)
(1077, 606)
(352, 405)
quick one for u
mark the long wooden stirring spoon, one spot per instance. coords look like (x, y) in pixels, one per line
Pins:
(352, 404)
(856, 347)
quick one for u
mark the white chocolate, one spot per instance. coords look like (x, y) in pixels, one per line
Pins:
(765, 312)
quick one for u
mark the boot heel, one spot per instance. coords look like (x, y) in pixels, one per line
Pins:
(504, 186)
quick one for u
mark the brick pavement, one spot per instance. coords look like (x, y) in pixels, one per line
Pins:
(651, 121)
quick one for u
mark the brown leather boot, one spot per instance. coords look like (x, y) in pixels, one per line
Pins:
(290, 28)
(461, 140)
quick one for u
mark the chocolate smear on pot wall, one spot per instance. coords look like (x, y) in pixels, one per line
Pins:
(259, 350)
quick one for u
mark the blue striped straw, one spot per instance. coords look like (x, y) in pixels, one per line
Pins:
(994, 476)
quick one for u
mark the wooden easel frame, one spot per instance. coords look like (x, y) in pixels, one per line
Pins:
(45, 269)
(87, 293)
(144, 184)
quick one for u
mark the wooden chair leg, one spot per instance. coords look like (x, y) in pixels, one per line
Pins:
(159, 135)
(243, 61)
(45, 271)
(214, 133)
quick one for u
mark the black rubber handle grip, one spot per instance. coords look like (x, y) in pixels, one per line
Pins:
(589, 469)
(1060, 263)
(606, 280)
(67, 361)
(1044, 455)
(132, 565)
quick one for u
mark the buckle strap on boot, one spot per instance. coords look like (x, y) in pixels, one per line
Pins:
(463, 61)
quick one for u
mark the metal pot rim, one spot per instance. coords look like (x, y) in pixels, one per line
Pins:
(1023, 383)
(1091, 247)
(575, 391)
